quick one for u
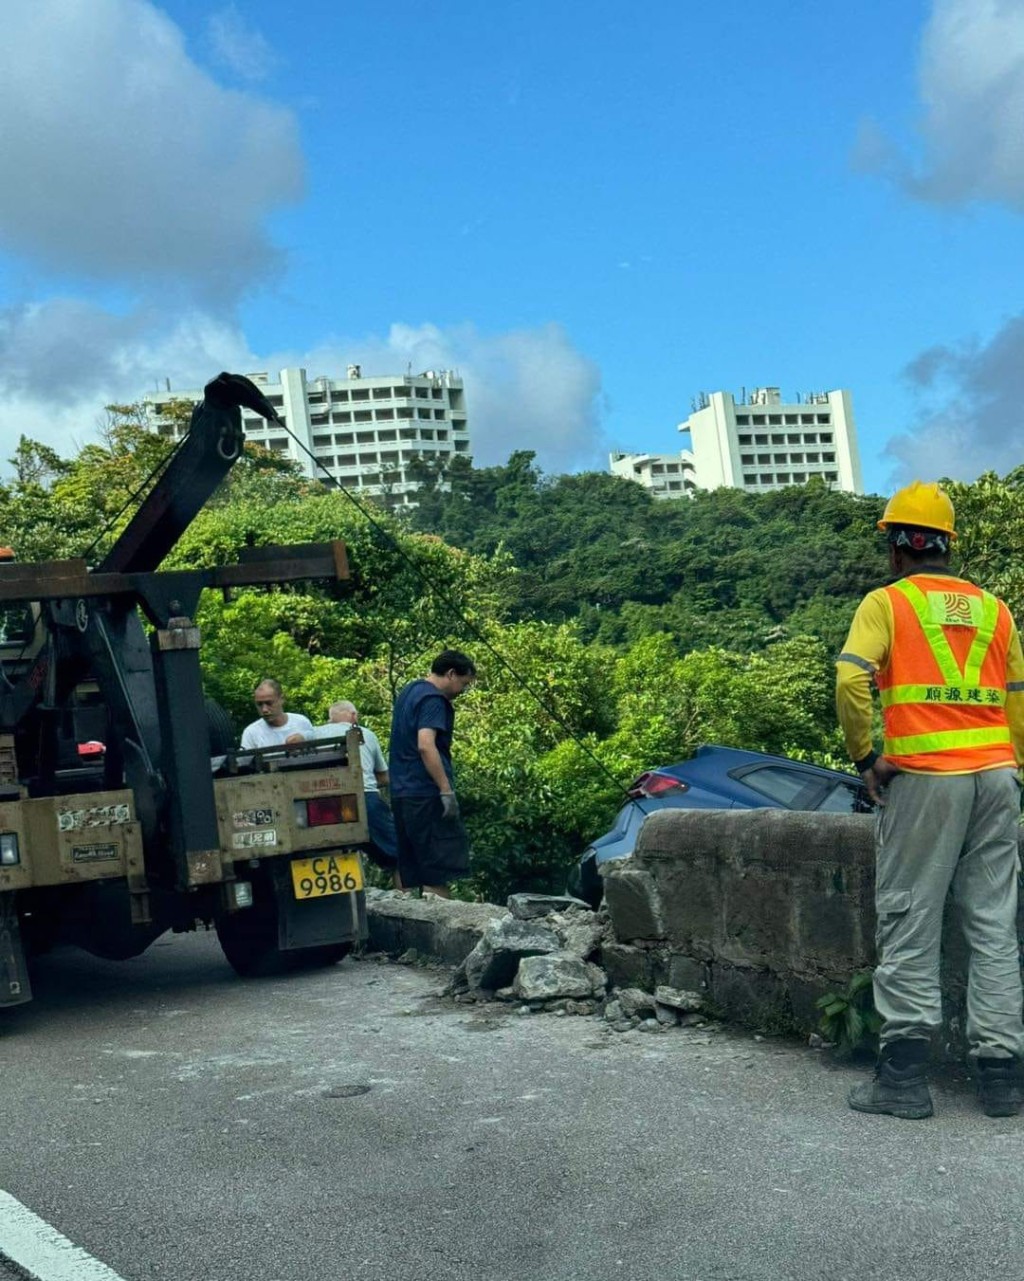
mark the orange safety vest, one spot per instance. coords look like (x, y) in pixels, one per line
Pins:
(943, 689)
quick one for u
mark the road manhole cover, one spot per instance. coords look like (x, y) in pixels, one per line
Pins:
(346, 1091)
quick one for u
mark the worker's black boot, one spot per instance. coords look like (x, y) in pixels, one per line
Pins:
(999, 1086)
(900, 1085)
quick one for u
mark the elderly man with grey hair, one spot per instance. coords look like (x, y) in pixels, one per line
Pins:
(383, 847)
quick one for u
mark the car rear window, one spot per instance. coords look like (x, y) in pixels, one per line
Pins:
(784, 786)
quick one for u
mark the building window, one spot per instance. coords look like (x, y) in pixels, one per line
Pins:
(831, 475)
(824, 418)
(365, 437)
(401, 391)
(810, 438)
(389, 456)
(408, 433)
(439, 414)
(743, 420)
(747, 460)
(426, 434)
(758, 420)
(404, 411)
(276, 401)
(384, 414)
(828, 458)
(458, 424)
(386, 435)
(744, 440)
(345, 438)
(793, 439)
(423, 393)
(675, 484)
(814, 458)
(442, 435)
(780, 458)
(319, 420)
(321, 442)
(316, 397)
(363, 415)
(774, 420)
(826, 438)
(657, 470)
(382, 393)
(806, 418)
(796, 458)
(782, 478)
(346, 460)
(339, 395)
(766, 478)
(749, 479)
(462, 446)
(437, 393)
(363, 393)
(790, 418)
(343, 416)
(761, 440)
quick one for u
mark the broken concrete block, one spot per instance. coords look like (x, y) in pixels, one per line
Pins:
(527, 907)
(634, 904)
(579, 930)
(492, 964)
(544, 978)
(634, 1001)
(678, 999)
(613, 1011)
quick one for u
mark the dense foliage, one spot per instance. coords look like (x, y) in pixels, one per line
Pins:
(613, 632)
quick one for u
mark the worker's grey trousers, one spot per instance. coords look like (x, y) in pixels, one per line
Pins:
(934, 831)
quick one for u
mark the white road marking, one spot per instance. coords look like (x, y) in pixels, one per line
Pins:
(33, 1245)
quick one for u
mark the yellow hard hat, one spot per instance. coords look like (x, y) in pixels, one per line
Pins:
(925, 505)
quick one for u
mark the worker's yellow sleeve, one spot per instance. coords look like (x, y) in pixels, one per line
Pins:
(866, 650)
(1015, 693)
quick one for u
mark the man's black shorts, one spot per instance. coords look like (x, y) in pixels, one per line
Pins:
(431, 850)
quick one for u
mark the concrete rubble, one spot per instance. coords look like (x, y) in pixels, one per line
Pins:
(544, 954)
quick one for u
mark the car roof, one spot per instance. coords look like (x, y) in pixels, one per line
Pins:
(732, 757)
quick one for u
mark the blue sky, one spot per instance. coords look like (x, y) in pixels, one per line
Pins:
(594, 213)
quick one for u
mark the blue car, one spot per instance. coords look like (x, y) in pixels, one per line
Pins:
(718, 778)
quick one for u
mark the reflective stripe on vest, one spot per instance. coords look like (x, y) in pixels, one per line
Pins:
(942, 717)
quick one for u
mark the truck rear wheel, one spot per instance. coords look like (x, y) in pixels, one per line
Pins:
(249, 939)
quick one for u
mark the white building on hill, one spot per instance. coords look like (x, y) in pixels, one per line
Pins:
(364, 431)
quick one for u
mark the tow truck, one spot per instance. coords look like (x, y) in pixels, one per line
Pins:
(126, 809)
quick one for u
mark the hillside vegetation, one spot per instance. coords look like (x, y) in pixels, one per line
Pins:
(612, 632)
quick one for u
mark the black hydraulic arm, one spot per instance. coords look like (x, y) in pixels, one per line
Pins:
(213, 444)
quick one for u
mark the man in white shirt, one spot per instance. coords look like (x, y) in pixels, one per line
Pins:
(275, 724)
(383, 847)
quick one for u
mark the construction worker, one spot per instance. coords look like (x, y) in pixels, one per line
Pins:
(947, 662)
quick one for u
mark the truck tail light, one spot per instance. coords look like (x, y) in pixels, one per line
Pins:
(322, 811)
(10, 855)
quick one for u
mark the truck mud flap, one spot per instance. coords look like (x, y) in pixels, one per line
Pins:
(15, 988)
(317, 922)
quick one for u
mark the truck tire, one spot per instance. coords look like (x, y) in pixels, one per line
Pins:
(249, 940)
(222, 730)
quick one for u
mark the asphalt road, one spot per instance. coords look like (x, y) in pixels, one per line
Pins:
(179, 1123)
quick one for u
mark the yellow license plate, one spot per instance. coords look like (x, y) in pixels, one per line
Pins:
(326, 874)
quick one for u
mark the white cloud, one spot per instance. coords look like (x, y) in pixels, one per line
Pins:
(123, 161)
(977, 423)
(971, 78)
(246, 52)
(63, 360)
(525, 389)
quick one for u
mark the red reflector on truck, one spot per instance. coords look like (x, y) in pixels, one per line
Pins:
(324, 810)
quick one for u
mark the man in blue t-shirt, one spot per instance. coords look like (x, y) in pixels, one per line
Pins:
(433, 849)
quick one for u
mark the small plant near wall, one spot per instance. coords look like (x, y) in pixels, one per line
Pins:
(849, 1019)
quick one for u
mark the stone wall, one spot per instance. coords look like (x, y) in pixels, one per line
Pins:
(762, 910)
